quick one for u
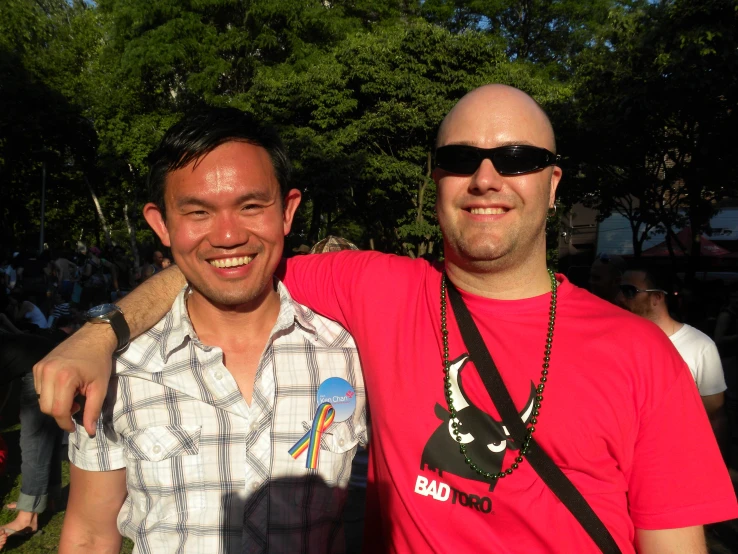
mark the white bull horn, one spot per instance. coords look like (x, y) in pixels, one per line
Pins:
(456, 395)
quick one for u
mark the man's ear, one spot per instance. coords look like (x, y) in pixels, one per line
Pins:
(555, 178)
(289, 206)
(155, 219)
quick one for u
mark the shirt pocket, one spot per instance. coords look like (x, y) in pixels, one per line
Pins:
(337, 448)
(164, 469)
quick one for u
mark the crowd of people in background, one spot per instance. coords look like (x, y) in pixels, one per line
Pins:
(42, 301)
(38, 288)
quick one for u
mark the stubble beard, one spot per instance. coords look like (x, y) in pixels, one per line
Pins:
(235, 295)
(486, 256)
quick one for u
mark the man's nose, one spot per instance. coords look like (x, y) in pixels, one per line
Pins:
(486, 178)
(228, 231)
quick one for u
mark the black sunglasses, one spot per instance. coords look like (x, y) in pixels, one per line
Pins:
(630, 291)
(508, 160)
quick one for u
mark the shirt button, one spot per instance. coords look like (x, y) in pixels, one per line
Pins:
(218, 375)
(157, 449)
(254, 425)
(254, 485)
(340, 442)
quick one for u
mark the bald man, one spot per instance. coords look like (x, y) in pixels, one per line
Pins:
(599, 390)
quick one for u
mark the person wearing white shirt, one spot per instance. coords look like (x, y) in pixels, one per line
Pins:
(646, 295)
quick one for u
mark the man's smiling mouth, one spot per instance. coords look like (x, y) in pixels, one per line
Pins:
(231, 262)
(488, 211)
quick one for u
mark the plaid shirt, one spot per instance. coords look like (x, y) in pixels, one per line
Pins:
(207, 473)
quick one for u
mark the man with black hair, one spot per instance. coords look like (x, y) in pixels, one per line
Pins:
(650, 294)
(193, 448)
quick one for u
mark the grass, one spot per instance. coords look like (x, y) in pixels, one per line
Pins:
(49, 523)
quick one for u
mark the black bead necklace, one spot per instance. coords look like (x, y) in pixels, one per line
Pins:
(539, 390)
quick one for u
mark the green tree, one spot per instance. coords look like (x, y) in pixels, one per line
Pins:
(39, 64)
(548, 32)
(655, 111)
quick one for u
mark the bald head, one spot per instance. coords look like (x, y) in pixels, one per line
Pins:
(494, 112)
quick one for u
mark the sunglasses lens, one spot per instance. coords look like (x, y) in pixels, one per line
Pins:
(508, 160)
(629, 291)
(457, 158)
(516, 160)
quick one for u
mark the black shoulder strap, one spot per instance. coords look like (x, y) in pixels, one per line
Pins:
(559, 483)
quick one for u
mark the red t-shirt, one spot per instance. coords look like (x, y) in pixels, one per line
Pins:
(621, 415)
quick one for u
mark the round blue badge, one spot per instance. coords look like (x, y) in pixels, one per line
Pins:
(340, 394)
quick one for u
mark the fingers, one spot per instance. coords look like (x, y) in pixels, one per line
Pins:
(95, 396)
(56, 388)
(80, 365)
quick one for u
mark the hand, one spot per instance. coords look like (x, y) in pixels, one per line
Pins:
(80, 365)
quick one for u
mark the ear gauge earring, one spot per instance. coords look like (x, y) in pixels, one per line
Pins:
(551, 214)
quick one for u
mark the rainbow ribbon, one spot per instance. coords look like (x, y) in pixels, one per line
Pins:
(311, 440)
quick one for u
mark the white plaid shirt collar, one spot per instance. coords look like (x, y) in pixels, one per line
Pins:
(176, 327)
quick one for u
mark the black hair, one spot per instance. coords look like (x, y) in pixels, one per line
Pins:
(199, 133)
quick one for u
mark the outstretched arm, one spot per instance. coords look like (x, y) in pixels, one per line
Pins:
(82, 363)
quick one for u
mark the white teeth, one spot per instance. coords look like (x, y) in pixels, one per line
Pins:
(231, 262)
(488, 211)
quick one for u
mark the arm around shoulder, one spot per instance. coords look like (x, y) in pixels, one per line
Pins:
(82, 364)
(90, 520)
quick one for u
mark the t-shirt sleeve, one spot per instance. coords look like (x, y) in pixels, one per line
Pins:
(350, 286)
(678, 478)
(710, 376)
(103, 452)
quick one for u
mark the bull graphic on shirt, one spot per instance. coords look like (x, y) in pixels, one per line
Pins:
(486, 440)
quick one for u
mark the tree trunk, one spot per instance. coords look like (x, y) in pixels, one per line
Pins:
(314, 231)
(637, 244)
(100, 214)
(131, 226)
(419, 217)
(131, 222)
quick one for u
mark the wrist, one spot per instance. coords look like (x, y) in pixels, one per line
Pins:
(99, 334)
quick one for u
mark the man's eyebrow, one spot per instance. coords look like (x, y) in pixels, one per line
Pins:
(258, 196)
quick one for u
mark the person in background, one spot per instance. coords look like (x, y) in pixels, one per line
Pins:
(40, 437)
(8, 275)
(96, 276)
(726, 339)
(165, 263)
(650, 295)
(157, 258)
(604, 277)
(64, 273)
(332, 243)
(125, 273)
(25, 314)
(6, 323)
